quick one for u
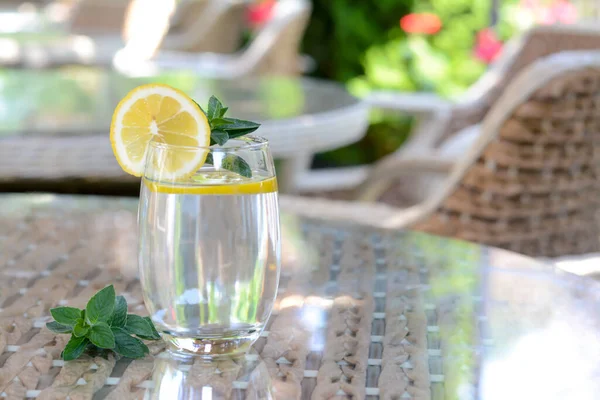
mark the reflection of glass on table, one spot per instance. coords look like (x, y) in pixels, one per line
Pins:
(245, 377)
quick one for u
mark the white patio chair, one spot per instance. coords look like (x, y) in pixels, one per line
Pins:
(143, 32)
(273, 50)
(201, 26)
(97, 17)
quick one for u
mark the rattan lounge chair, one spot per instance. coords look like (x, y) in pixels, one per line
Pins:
(528, 183)
(444, 129)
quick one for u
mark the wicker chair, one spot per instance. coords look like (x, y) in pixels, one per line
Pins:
(530, 181)
(444, 129)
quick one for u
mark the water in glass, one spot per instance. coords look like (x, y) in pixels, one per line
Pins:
(209, 259)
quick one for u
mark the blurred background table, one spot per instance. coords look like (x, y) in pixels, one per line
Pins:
(54, 124)
(362, 313)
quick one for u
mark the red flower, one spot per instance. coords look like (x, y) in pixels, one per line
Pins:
(426, 23)
(260, 12)
(487, 45)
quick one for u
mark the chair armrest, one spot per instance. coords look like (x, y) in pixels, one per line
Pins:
(431, 111)
(210, 65)
(431, 162)
(412, 103)
(389, 169)
(376, 215)
(330, 179)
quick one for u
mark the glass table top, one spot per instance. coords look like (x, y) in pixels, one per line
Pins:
(361, 313)
(80, 100)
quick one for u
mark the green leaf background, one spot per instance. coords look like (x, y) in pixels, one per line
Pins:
(361, 45)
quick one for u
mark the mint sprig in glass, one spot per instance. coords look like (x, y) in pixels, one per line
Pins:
(223, 129)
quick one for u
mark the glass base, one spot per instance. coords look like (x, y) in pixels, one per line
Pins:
(210, 346)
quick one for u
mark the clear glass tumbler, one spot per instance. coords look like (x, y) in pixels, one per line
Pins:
(209, 247)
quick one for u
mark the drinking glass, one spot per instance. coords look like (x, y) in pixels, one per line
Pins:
(209, 247)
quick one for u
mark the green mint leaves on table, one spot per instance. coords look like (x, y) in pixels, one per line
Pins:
(104, 324)
(222, 129)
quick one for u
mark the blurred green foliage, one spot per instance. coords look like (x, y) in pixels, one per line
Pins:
(362, 45)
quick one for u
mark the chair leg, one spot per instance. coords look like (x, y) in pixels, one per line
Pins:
(291, 171)
(372, 191)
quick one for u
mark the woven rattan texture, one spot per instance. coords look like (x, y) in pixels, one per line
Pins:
(372, 337)
(537, 44)
(534, 188)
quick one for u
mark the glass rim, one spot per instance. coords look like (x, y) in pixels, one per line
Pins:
(252, 142)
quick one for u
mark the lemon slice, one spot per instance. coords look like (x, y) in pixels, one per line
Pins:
(163, 114)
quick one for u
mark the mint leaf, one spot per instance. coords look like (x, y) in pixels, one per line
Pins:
(143, 328)
(223, 129)
(119, 316)
(101, 336)
(66, 315)
(215, 123)
(138, 326)
(58, 328)
(232, 163)
(209, 159)
(101, 306)
(91, 331)
(214, 108)
(129, 346)
(155, 335)
(236, 164)
(219, 137)
(238, 127)
(74, 348)
(80, 328)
